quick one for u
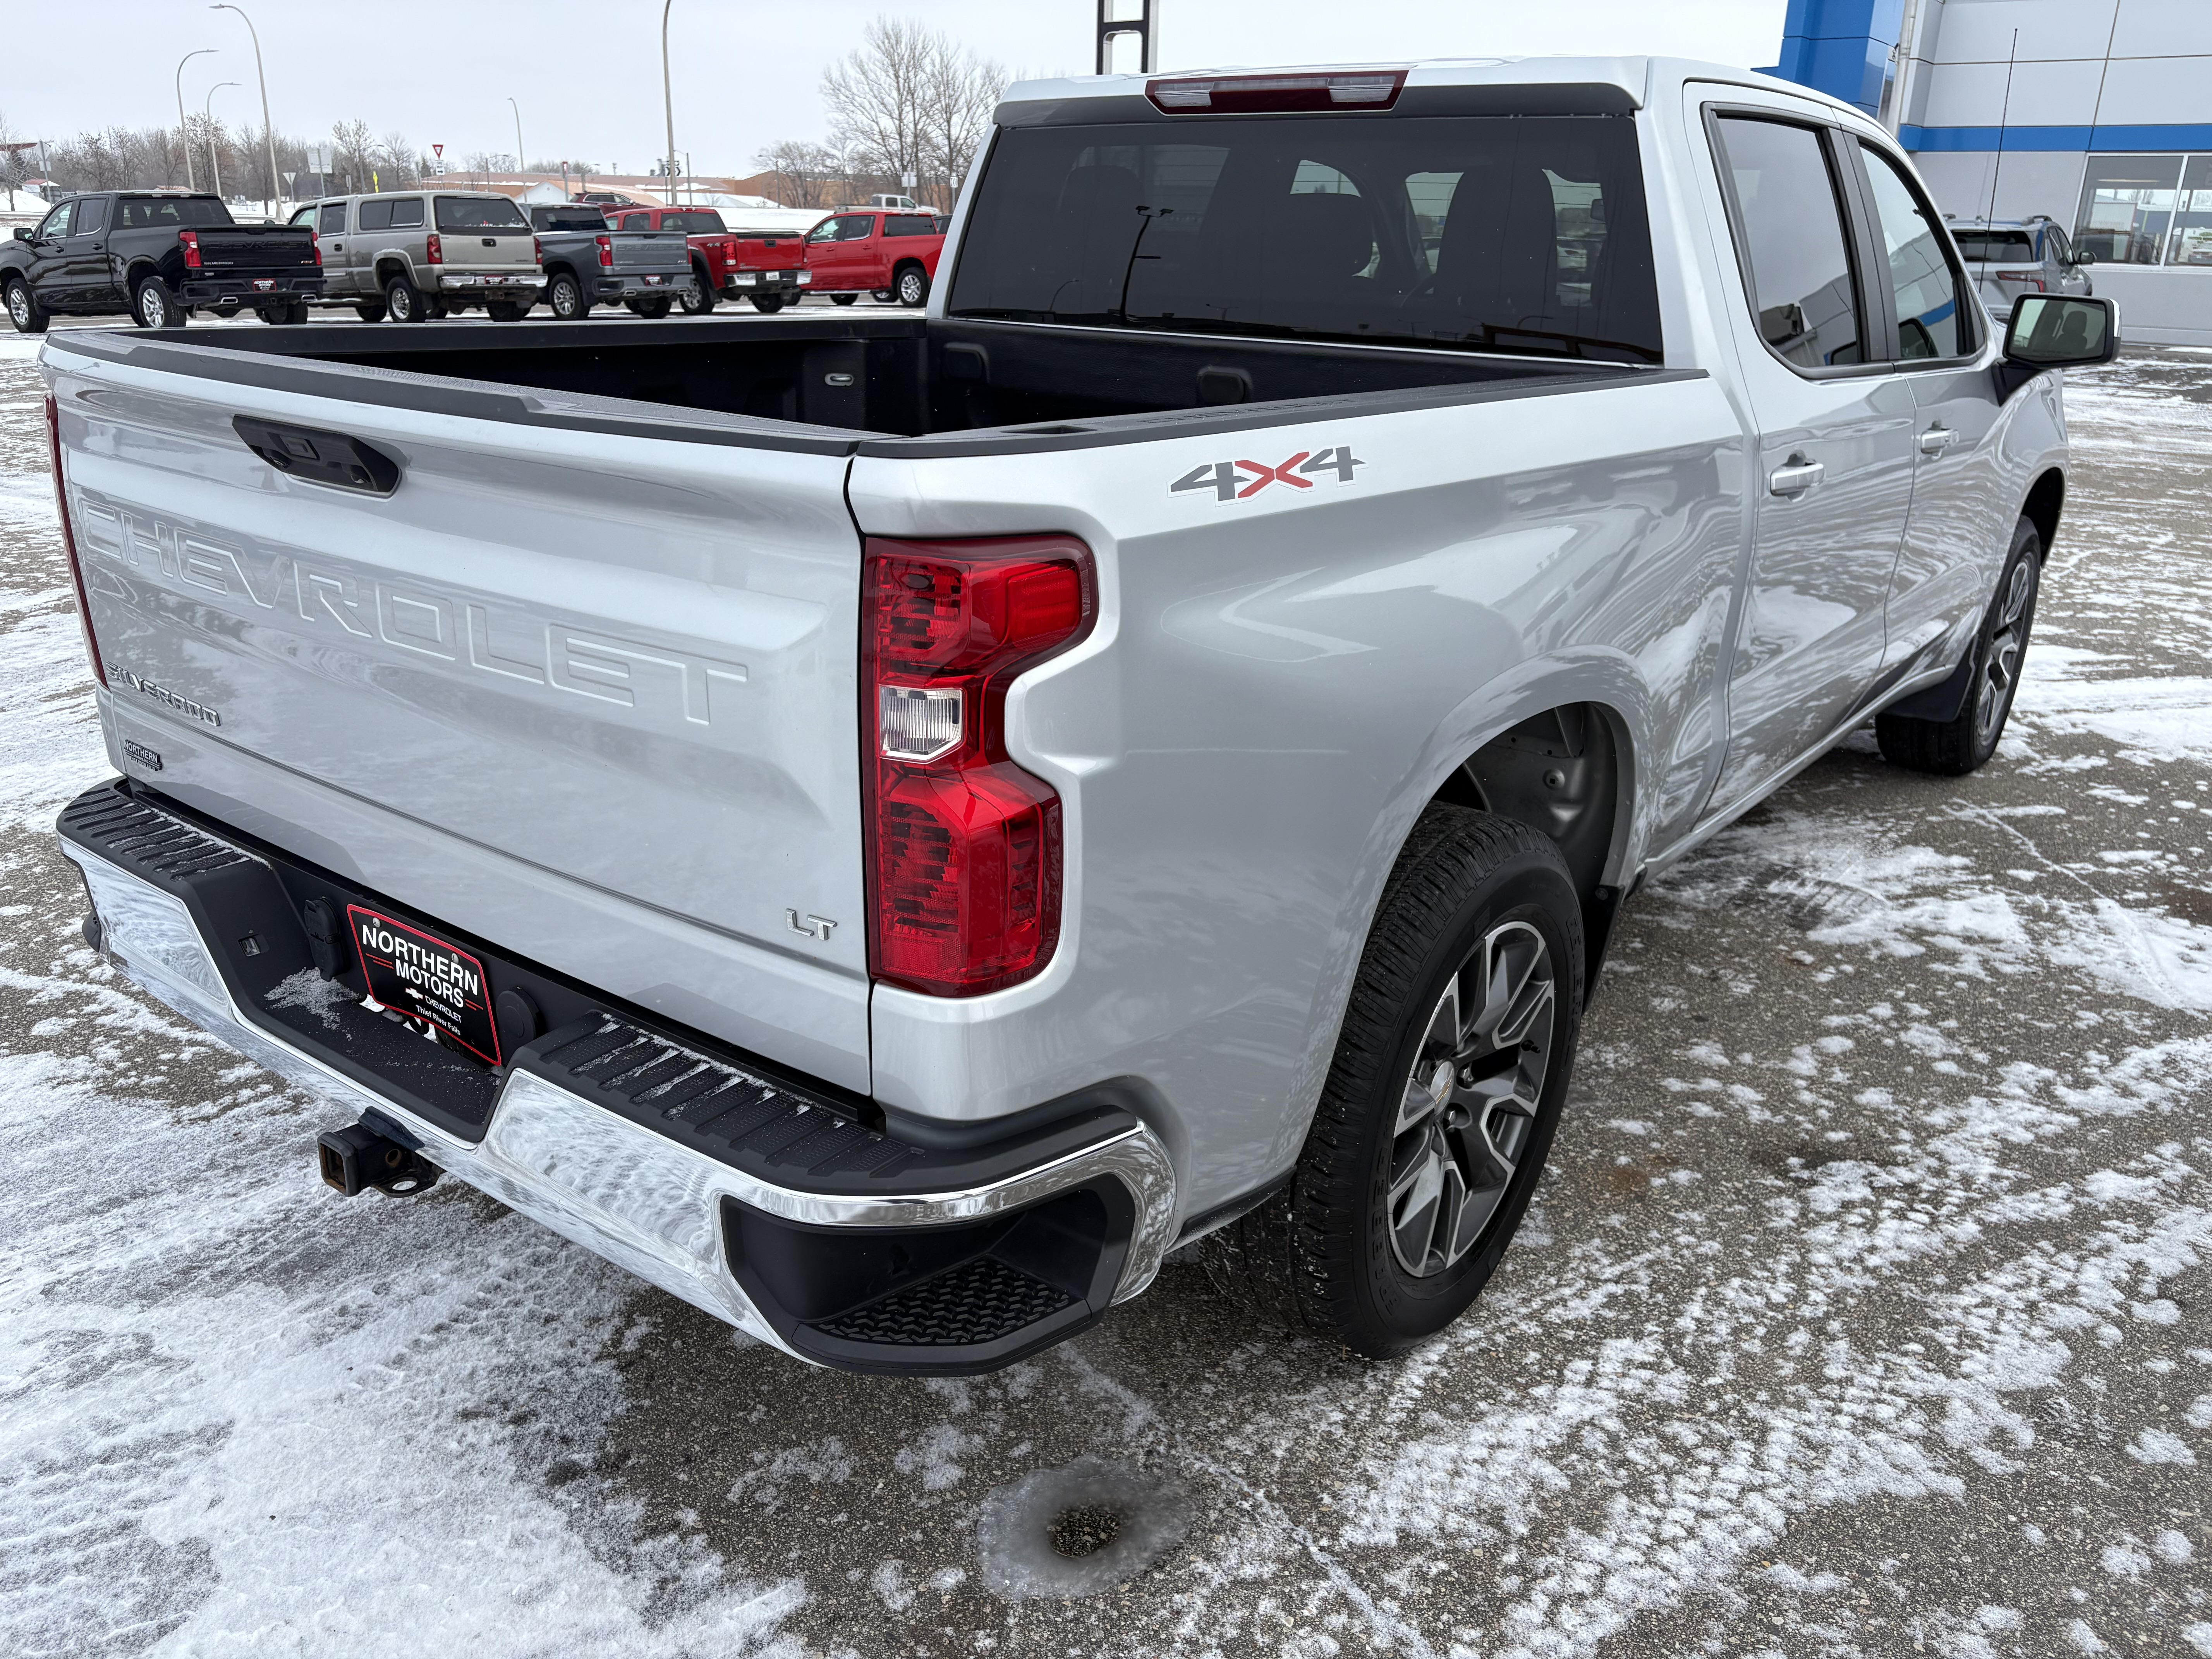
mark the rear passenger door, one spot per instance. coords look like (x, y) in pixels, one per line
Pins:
(1962, 512)
(1833, 468)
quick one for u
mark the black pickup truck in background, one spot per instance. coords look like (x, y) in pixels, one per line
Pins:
(156, 256)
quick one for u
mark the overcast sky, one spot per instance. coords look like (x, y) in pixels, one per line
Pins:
(587, 77)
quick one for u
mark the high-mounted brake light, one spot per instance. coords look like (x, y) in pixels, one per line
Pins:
(434, 251)
(190, 238)
(69, 538)
(964, 871)
(607, 250)
(1274, 94)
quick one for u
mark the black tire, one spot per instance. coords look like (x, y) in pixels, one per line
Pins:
(153, 306)
(651, 310)
(24, 310)
(1964, 744)
(768, 304)
(845, 299)
(1471, 896)
(506, 311)
(699, 297)
(370, 311)
(295, 315)
(911, 285)
(564, 295)
(403, 301)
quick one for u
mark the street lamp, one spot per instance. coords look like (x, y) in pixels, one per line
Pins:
(268, 132)
(520, 166)
(184, 131)
(667, 97)
(206, 118)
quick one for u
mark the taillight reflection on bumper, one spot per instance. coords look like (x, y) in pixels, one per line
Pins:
(964, 867)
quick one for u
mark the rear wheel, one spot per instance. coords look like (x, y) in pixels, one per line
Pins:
(1439, 1107)
(769, 303)
(651, 310)
(565, 295)
(698, 297)
(845, 299)
(154, 306)
(1965, 743)
(370, 311)
(506, 311)
(403, 301)
(24, 310)
(912, 286)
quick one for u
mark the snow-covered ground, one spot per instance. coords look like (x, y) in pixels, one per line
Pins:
(1865, 1310)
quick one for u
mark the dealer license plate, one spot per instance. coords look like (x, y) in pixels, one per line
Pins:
(651, 280)
(416, 974)
(265, 284)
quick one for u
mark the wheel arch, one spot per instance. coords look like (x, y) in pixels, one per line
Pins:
(2046, 500)
(389, 265)
(138, 270)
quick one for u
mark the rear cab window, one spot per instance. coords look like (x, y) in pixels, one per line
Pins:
(696, 221)
(1996, 247)
(1494, 233)
(178, 212)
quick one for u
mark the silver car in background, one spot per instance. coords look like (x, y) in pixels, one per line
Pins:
(411, 256)
(2008, 258)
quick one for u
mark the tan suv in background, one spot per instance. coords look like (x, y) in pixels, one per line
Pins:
(414, 255)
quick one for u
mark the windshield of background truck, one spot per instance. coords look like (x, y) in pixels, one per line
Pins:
(1503, 233)
(171, 212)
(479, 213)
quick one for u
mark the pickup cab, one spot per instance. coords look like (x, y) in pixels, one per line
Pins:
(884, 826)
(587, 262)
(767, 267)
(414, 255)
(892, 255)
(155, 257)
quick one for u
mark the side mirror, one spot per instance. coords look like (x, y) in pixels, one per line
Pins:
(2083, 257)
(2052, 331)
(22, 233)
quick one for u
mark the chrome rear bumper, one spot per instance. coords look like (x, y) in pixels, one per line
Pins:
(636, 1197)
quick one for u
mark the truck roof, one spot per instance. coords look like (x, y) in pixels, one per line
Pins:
(1639, 78)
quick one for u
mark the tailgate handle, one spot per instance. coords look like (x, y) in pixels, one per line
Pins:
(314, 456)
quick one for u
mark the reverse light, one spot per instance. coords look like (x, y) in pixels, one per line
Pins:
(607, 250)
(1275, 94)
(68, 538)
(191, 241)
(433, 250)
(965, 867)
(805, 276)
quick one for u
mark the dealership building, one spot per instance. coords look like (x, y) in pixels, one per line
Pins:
(2095, 113)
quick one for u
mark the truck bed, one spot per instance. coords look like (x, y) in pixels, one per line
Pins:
(1009, 384)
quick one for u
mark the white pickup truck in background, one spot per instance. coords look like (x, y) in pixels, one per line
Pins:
(884, 825)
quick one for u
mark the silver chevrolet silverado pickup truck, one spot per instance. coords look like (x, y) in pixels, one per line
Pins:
(886, 826)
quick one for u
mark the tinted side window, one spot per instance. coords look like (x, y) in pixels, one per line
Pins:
(91, 215)
(376, 214)
(1928, 321)
(407, 214)
(909, 224)
(1803, 293)
(856, 228)
(334, 218)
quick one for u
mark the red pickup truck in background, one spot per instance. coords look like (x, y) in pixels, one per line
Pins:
(861, 250)
(767, 267)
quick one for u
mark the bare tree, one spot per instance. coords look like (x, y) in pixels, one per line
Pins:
(959, 93)
(15, 159)
(877, 97)
(399, 160)
(804, 175)
(356, 154)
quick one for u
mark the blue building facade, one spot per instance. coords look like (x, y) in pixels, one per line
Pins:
(2097, 114)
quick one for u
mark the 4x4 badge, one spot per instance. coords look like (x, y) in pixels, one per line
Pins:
(1223, 478)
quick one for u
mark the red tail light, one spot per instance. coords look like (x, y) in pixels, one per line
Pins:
(69, 537)
(964, 871)
(190, 238)
(538, 249)
(433, 250)
(316, 238)
(607, 250)
(2032, 278)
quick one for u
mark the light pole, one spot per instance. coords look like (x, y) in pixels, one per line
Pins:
(184, 130)
(268, 132)
(206, 119)
(667, 96)
(520, 166)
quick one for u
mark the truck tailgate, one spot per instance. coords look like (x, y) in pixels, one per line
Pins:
(652, 250)
(255, 247)
(608, 677)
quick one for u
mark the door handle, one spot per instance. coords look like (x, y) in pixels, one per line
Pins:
(1794, 476)
(1937, 440)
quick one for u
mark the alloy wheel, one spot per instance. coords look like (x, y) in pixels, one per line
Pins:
(1468, 1101)
(2001, 671)
(19, 306)
(149, 305)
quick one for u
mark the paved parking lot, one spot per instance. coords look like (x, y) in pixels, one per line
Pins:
(1865, 1309)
